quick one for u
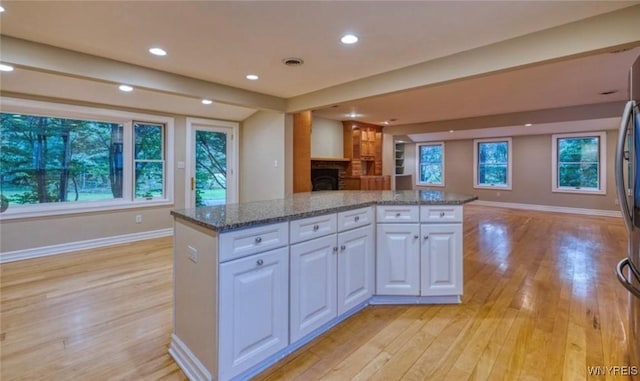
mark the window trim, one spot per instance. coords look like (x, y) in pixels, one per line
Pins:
(476, 143)
(418, 168)
(602, 162)
(126, 118)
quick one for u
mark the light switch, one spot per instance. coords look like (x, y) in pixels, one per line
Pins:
(193, 254)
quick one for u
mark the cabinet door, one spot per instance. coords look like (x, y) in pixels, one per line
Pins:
(254, 319)
(398, 259)
(313, 285)
(441, 262)
(355, 267)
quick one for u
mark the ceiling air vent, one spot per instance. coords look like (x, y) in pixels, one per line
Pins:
(292, 61)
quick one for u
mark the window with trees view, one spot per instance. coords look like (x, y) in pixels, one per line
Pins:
(492, 163)
(579, 162)
(430, 164)
(53, 163)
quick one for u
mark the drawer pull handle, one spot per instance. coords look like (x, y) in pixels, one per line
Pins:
(398, 214)
(259, 262)
(426, 237)
(343, 247)
(416, 236)
(315, 228)
(335, 249)
(441, 214)
(258, 239)
(357, 218)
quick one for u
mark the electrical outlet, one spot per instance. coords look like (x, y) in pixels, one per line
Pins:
(193, 254)
(138, 218)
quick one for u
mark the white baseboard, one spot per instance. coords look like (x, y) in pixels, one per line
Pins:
(18, 255)
(187, 361)
(549, 208)
(391, 299)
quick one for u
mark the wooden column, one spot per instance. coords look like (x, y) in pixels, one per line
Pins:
(302, 152)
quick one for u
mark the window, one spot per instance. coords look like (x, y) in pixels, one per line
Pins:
(67, 159)
(492, 163)
(149, 160)
(578, 163)
(430, 164)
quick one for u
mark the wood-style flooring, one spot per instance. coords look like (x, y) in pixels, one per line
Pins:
(541, 302)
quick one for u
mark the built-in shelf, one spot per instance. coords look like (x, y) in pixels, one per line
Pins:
(329, 159)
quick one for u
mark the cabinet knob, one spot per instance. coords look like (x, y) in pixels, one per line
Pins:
(258, 239)
(441, 214)
(357, 218)
(398, 214)
(259, 262)
(426, 237)
(335, 249)
(315, 228)
(416, 236)
(343, 247)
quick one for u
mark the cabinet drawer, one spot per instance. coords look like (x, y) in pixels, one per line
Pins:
(441, 213)
(312, 227)
(245, 242)
(397, 213)
(355, 218)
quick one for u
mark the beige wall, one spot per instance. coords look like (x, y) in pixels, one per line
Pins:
(531, 174)
(262, 143)
(326, 138)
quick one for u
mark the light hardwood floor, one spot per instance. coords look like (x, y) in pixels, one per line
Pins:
(541, 302)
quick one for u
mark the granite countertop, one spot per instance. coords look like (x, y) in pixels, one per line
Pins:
(228, 217)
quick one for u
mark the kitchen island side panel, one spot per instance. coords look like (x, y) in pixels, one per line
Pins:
(196, 291)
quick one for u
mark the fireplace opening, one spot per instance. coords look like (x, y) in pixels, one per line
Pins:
(324, 179)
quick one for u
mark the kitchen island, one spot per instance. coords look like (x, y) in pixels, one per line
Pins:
(255, 281)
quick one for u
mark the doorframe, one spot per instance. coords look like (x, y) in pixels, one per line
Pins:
(232, 158)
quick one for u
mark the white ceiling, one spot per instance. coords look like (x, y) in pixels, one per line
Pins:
(220, 42)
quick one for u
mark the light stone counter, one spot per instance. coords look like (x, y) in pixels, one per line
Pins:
(229, 217)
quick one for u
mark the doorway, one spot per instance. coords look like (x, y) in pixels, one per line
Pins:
(211, 166)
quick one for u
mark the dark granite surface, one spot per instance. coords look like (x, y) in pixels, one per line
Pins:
(228, 217)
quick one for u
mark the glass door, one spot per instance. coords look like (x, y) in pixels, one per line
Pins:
(211, 173)
(210, 180)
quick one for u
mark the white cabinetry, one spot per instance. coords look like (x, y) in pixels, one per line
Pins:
(313, 285)
(398, 259)
(441, 261)
(419, 259)
(330, 274)
(254, 321)
(355, 267)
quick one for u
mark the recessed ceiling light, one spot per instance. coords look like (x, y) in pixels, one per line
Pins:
(349, 39)
(4, 67)
(386, 122)
(528, 125)
(352, 115)
(158, 51)
(252, 77)
(207, 101)
(451, 131)
(125, 88)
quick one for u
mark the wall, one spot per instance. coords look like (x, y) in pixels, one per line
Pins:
(262, 156)
(531, 174)
(326, 138)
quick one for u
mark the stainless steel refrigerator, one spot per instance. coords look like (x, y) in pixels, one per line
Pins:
(628, 187)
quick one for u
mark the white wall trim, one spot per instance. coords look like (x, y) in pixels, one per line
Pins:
(43, 251)
(187, 361)
(549, 208)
